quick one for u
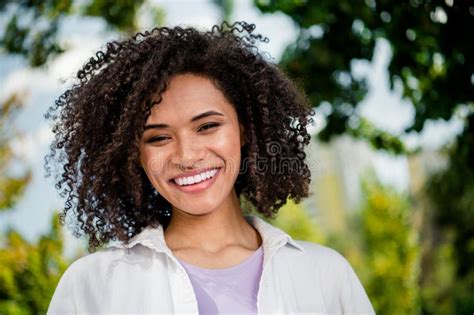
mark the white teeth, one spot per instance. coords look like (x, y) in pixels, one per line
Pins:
(195, 179)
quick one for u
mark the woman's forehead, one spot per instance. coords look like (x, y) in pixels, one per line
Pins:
(188, 95)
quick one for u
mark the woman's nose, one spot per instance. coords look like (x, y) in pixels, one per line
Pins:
(187, 153)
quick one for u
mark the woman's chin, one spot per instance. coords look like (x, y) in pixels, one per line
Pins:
(191, 211)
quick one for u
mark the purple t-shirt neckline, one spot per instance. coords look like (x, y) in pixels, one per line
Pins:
(227, 290)
(226, 271)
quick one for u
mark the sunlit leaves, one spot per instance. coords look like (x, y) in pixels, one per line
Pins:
(429, 45)
(11, 185)
(29, 272)
(392, 250)
(32, 27)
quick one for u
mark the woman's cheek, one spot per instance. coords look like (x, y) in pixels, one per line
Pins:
(226, 139)
(154, 161)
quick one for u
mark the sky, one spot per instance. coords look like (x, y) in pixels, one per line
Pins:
(40, 87)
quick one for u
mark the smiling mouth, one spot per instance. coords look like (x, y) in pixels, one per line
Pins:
(196, 179)
(201, 185)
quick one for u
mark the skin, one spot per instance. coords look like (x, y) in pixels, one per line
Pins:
(207, 228)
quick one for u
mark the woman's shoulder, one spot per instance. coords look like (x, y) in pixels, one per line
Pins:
(321, 256)
(338, 281)
(320, 252)
(95, 260)
(317, 249)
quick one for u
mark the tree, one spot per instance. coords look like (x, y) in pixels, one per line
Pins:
(451, 192)
(431, 57)
(433, 63)
(11, 185)
(392, 250)
(32, 27)
(29, 273)
(294, 219)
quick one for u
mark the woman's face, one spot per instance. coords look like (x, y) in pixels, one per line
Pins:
(190, 149)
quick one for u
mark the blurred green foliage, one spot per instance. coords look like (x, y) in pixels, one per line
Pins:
(451, 192)
(432, 54)
(296, 221)
(391, 248)
(381, 243)
(32, 27)
(29, 272)
(12, 186)
(119, 14)
(226, 8)
(432, 61)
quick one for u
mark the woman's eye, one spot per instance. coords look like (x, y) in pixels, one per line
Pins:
(156, 139)
(163, 138)
(209, 126)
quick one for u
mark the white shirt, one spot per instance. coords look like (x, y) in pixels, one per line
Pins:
(145, 277)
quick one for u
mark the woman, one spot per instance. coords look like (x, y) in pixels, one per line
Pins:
(164, 140)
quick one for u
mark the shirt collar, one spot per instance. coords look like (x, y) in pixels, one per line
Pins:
(154, 237)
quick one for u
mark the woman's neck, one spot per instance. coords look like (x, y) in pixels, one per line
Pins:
(212, 232)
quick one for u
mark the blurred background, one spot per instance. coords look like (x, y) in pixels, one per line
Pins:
(392, 152)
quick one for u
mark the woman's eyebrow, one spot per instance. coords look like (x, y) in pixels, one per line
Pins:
(195, 118)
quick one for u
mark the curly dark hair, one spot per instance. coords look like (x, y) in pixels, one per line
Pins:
(98, 123)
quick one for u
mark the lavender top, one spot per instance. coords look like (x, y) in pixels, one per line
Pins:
(227, 290)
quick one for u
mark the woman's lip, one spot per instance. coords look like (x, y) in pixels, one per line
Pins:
(196, 188)
(194, 173)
